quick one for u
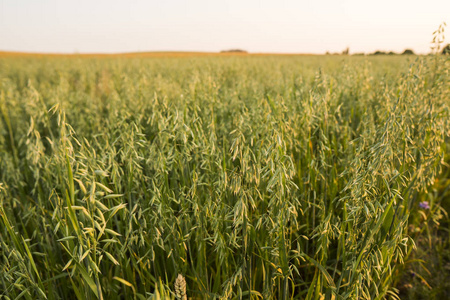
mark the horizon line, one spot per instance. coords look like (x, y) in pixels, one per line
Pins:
(149, 53)
(160, 53)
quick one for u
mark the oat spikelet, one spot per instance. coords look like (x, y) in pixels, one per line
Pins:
(180, 288)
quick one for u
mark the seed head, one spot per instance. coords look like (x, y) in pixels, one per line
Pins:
(180, 288)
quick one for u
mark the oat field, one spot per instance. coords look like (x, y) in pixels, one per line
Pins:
(254, 177)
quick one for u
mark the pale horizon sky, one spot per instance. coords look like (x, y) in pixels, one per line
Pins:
(110, 26)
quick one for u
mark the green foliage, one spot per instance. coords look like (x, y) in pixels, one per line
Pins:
(446, 49)
(427, 268)
(253, 177)
(408, 52)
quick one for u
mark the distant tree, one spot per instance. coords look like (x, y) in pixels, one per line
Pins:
(408, 52)
(378, 52)
(234, 51)
(446, 50)
(392, 53)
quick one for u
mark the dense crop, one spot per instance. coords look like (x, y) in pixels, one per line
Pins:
(253, 177)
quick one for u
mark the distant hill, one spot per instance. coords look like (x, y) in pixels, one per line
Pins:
(148, 54)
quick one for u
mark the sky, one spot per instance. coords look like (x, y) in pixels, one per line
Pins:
(294, 26)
